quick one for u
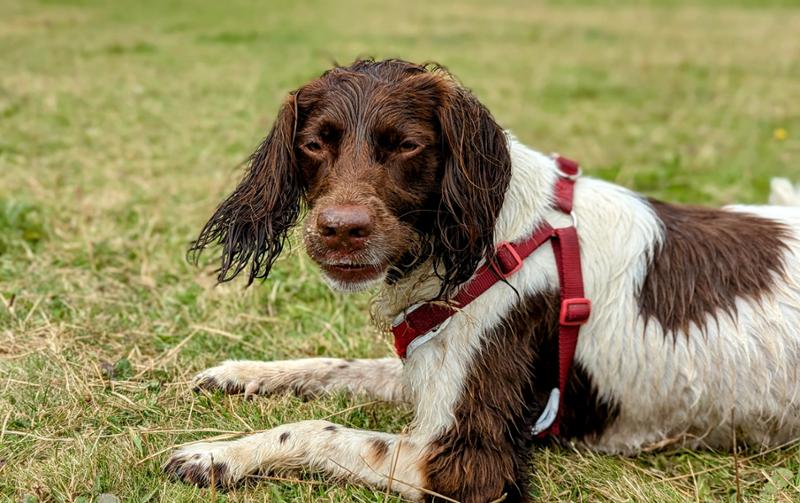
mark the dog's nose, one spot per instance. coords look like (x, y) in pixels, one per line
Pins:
(345, 227)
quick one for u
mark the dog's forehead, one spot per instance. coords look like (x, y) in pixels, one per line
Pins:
(366, 100)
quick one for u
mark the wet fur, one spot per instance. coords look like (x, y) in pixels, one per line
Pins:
(693, 333)
(442, 204)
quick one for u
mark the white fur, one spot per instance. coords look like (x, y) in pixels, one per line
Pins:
(783, 193)
(693, 386)
(528, 202)
(339, 452)
(352, 287)
(689, 386)
(375, 378)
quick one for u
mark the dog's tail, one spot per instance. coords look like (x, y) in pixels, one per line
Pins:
(783, 193)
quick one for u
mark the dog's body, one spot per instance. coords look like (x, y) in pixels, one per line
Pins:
(694, 332)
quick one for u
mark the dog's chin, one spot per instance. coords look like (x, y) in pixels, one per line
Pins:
(352, 278)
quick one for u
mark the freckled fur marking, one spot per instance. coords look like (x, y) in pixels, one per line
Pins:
(378, 450)
(196, 473)
(284, 436)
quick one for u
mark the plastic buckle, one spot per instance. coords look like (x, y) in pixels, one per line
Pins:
(496, 263)
(570, 318)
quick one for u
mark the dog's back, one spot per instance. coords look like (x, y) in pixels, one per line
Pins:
(716, 339)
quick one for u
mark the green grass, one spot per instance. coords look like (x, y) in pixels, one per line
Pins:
(123, 123)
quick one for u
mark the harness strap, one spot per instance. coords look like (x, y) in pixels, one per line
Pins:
(508, 259)
(575, 308)
(425, 317)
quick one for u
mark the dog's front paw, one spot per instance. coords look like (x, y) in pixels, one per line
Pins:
(230, 377)
(204, 464)
(254, 378)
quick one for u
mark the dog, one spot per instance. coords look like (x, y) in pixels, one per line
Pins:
(644, 324)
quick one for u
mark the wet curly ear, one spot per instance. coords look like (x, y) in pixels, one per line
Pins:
(477, 170)
(252, 224)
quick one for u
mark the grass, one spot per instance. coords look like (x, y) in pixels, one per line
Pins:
(123, 123)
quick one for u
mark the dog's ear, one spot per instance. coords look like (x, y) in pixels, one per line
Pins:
(253, 222)
(476, 173)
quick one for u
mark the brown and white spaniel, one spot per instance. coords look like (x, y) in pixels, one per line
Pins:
(409, 186)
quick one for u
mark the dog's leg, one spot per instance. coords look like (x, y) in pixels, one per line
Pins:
(307, 377)
(382, 460)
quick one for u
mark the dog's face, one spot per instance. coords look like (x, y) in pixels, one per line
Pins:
(369, 157)
(395, 164)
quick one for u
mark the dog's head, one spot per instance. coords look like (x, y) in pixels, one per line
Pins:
(395, 164)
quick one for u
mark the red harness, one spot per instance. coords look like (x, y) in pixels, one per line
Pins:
(508, 259)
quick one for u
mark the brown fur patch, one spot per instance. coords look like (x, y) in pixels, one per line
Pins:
(284, 437)
(485, 454)
(709, 257)
(377, 450)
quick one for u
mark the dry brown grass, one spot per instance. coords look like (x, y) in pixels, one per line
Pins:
(122, 124)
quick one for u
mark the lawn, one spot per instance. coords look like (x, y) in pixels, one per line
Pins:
(123, 123)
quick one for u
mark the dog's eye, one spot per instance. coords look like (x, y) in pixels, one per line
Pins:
(407, 146)
(313, 149)
(313, 146)
(391, 142)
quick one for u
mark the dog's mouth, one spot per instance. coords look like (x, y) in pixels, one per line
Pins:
(353, 275)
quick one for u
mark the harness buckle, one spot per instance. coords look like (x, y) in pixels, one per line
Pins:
(575, 311)
(506, 260)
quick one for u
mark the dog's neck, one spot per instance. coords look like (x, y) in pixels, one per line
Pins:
(528, 201)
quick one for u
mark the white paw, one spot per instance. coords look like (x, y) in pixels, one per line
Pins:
(230, 377)
(258, 378)
(205, 464)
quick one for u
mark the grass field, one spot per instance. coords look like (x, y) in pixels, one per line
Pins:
(123, 123)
